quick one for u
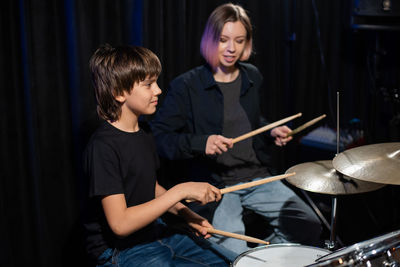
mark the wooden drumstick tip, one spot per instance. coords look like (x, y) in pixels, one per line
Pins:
(306, 125)
(265, 128)
(237, 236)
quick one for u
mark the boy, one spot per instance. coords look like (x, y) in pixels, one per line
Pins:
(121, 161)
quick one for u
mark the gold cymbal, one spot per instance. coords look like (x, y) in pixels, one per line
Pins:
(321, 177)
(379, 163)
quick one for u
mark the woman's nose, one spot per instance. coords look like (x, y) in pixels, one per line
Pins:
(231, 46)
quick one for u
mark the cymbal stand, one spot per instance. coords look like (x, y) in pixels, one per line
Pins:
(331, 243)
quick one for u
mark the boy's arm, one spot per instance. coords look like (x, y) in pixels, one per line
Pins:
(193, 219)
(124, 220)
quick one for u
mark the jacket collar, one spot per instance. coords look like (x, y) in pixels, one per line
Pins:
(210, 83)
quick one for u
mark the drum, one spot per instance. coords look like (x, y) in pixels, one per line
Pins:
(280, 255)
(379, 251)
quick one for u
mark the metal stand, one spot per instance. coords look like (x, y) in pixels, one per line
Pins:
(334, 239)
(331, 243)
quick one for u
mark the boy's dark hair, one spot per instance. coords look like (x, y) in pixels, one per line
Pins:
(115, 70)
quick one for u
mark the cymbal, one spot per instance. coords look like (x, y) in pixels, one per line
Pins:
(321, 177)
(378, 163)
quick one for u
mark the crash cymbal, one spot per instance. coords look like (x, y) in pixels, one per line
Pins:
(321, 177)
(378, 163)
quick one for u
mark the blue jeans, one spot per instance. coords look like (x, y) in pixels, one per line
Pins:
(176, 250)
(290, 218)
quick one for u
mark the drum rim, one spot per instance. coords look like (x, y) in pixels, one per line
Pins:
(360, 246)
(241, 255)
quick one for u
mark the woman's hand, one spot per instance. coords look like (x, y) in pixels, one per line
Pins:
(280, 135)
(217, 144)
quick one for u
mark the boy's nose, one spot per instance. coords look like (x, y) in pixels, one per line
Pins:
(157, 90)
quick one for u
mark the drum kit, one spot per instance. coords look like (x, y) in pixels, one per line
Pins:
(354, 171)
(377, 252)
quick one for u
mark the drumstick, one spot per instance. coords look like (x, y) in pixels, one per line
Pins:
(251, 184)
(255, 183)
(237, 236)
(305, 125)
(264, 128)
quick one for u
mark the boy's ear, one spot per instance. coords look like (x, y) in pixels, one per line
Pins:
(120, 98)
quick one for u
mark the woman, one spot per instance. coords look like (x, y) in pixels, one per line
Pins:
(208, 106)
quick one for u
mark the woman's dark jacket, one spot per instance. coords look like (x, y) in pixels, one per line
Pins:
(192, 111)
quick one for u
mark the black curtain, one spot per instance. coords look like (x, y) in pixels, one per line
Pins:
(48, 111)
(306, 51)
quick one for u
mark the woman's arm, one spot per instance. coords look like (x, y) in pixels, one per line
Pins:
(169, 123)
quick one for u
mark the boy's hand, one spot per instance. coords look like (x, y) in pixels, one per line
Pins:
(217, 144)
(280, 134)
(200, 224)
(201, 192)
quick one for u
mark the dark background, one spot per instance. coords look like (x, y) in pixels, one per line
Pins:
(307, 50)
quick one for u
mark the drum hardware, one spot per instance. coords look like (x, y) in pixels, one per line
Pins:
(379, 251)
(331, 243)
(390, 262)
(321, 177)
(320, 215)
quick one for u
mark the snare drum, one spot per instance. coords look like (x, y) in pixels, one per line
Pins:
(379, 251)
(279, 255)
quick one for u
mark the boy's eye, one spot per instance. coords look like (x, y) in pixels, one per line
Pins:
(147, 84)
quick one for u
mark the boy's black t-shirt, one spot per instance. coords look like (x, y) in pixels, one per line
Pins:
(118, 162)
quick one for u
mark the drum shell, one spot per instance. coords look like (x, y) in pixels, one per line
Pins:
(379, 251)
(371, 261)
